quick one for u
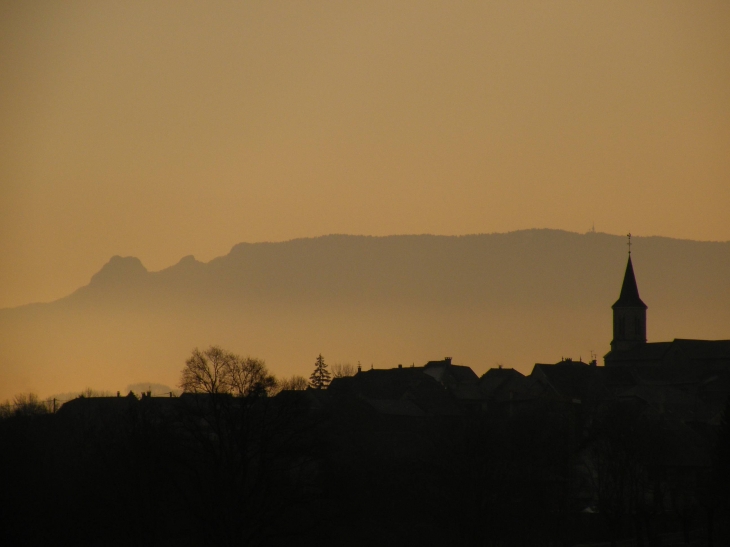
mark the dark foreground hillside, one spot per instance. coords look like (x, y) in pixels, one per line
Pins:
(433, 455)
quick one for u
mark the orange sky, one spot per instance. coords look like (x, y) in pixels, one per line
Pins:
(162, 129)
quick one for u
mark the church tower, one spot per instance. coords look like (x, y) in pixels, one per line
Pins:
(629, 314)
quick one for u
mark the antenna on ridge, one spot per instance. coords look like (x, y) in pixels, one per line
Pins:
(629, 243)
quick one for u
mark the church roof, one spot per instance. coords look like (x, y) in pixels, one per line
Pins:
(652, 351)
(629, 297)
(678, 351)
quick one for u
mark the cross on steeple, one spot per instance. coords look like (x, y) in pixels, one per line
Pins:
(629, 243)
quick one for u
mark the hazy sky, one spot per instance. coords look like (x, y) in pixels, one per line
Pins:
(162, 129)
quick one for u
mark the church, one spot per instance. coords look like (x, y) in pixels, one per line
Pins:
(679, 363)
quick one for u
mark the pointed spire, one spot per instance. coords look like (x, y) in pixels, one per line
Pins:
(629, 297)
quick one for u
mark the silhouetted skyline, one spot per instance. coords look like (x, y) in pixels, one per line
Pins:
(573, 453)
(534, 295)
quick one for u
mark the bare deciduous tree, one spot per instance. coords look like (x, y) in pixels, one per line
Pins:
(295, 383)
(205, 371)
(216, 371)
(243, 452)
(249, 376)
(341, 370)
(24, 404)
(88, 392)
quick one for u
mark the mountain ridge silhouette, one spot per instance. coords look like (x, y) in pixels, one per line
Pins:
(517, 298)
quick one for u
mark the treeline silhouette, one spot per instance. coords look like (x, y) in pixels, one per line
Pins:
(237, 461)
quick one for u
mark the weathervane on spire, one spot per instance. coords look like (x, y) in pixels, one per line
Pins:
(629, 243)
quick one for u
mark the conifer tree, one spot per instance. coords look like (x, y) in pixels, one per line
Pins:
(320, 378)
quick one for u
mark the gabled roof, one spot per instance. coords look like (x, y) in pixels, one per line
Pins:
(571, 379)
(449, 374)
(629, 297)
(496, 379)
(380, 383)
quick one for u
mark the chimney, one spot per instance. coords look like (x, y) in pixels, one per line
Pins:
(448, 360)
(400, 366)
(359, 367)
(118, 394)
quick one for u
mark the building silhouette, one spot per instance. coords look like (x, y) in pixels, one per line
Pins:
(681, 362)
(629, 314)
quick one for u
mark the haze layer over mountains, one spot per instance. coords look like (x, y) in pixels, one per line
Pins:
(512, 299)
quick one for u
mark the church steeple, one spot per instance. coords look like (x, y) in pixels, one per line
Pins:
(629, 313)
(629, 297)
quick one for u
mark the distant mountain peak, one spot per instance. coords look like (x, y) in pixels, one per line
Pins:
(119, 268)
(186, 260)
